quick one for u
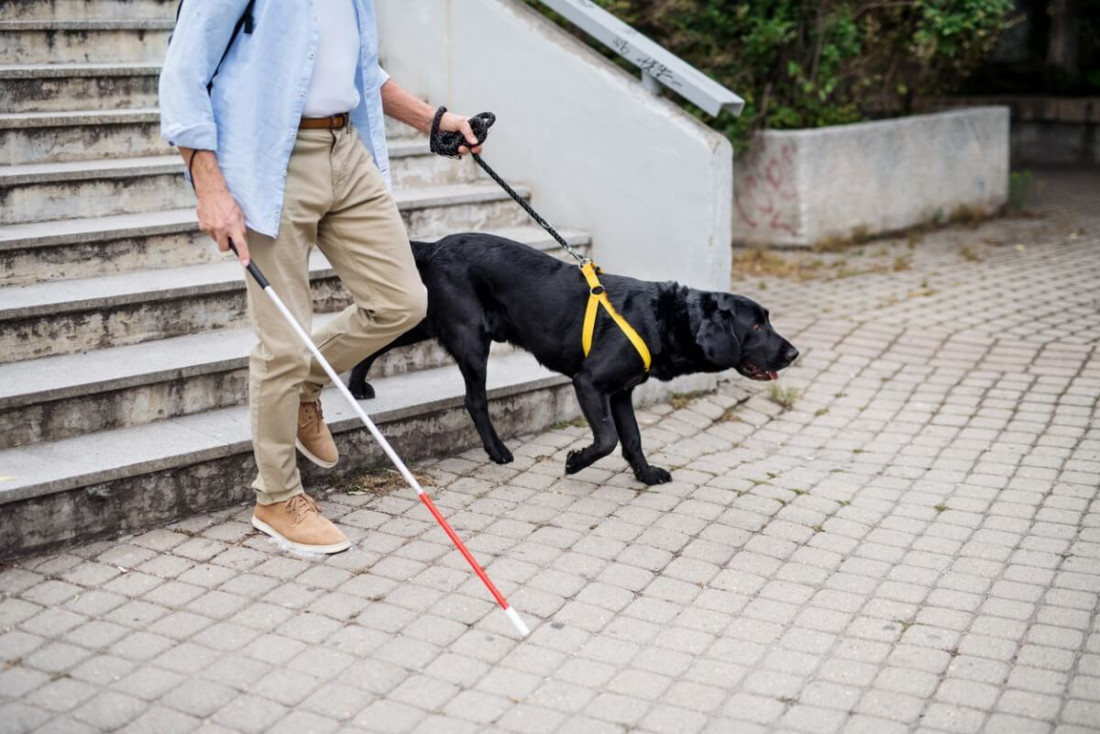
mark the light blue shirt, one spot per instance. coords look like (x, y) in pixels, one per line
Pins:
(250, 118)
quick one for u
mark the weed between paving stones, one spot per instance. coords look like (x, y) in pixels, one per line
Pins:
(784, 397)
(681, 400)
(382, 482)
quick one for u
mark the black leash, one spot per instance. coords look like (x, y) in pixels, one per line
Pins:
(447, 144)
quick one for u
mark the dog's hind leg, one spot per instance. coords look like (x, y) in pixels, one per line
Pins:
(594, 405)
(472, 360)
(357, 381)
(622, 411)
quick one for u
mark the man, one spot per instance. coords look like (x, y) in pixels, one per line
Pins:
(287, 149)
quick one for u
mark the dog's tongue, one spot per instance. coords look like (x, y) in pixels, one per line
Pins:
(773, 375)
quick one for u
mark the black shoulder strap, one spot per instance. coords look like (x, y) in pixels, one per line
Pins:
(246, 19)
(246, 22)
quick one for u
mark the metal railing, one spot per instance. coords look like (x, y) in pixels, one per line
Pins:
(659, 66)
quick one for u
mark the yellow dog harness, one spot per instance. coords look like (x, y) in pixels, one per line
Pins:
(598, 297)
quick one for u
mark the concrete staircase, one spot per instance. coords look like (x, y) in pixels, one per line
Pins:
(123, 332)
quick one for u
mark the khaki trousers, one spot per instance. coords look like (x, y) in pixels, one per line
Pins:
(335, 199)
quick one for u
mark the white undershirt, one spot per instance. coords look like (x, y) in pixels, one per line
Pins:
(332, 86)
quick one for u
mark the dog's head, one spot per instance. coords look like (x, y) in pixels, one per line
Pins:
(734, 331)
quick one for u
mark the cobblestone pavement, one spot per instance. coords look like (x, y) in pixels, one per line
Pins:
(912, 543)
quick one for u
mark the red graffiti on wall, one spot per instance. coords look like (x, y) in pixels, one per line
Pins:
(761, 192)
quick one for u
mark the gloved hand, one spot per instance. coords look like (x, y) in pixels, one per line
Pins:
(448, 143)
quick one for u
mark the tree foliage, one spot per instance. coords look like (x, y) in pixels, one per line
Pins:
(803, 63)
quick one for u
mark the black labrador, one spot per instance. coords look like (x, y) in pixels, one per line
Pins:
(483, 288)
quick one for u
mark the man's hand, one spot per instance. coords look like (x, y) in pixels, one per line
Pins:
(459, 124)
(222, 219)
(219, 214)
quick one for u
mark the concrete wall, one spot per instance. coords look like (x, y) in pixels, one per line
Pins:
(801, 186)
(1062, 131)
(651, 184)
(1040, 143)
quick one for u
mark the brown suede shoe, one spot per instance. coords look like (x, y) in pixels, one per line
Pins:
(314, 440)
(299, 522)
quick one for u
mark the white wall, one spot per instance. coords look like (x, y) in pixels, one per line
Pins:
(652, 185)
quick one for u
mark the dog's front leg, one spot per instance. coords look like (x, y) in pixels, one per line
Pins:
(594, 405)
(622, 411)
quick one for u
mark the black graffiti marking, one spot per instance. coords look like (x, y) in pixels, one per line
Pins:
(658, 71)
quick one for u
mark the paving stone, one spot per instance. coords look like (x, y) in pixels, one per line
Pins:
(61, 695)
(249, 713)
(1028, 704)
(953, 718)
(148, 683)
(198, 698)
(337, 701)
(110, 710)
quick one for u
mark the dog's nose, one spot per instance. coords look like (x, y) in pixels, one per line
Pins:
(791, 354)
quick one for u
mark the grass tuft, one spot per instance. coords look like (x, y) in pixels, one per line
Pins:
(578, 422)
(970, 254)
(381, 482)
(784, 397)
(1019, 186)
(681, 400)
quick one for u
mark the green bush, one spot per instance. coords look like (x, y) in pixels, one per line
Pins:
(808, 64)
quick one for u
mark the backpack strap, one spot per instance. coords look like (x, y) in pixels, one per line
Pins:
(246, 22)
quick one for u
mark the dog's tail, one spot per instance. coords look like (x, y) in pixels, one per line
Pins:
(422, 253)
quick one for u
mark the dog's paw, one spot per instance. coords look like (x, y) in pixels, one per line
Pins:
(574, 462)
(361, 390)
(653, 475)
(500, 454)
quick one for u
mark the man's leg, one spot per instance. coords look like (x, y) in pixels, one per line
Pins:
(365, 240)
(280, 362)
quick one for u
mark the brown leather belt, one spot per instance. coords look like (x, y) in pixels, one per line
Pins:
(333, 122)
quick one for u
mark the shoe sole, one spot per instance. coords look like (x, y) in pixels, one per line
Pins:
(263, 527)
(309, 455)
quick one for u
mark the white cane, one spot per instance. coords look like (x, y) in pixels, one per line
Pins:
(511, 613)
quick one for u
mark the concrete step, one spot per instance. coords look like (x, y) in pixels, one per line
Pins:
(87, 248)
(55, 137)
(63, 396)
(85, 135)
(127, 479)
(80, 189)
(67, 87)
(66, 317)
(433, 211)
(412, 164)
(96, 41)
(40, 192)
(87, 9)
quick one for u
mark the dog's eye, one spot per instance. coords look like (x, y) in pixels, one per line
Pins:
(757, 326)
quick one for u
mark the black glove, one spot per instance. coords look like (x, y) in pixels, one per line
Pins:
(447, 143)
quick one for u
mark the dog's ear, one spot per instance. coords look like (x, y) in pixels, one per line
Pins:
(716, 334)
(725, 302)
